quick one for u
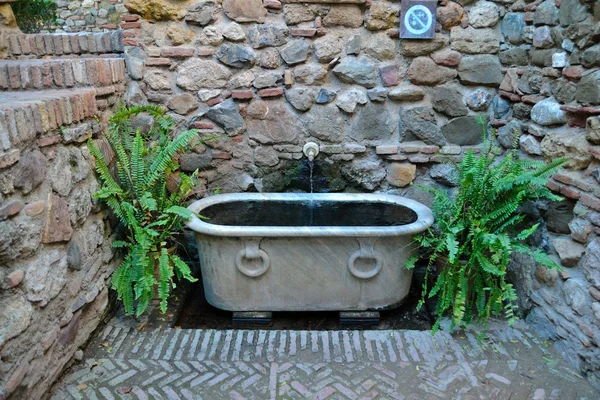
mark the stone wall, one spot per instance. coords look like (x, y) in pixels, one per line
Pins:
(270, 75)
(89, 15)
(56, 91)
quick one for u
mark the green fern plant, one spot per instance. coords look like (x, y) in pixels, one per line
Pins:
(34, 16)
(476, 231)
(150, 214)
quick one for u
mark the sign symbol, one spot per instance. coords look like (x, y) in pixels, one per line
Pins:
(418, 19)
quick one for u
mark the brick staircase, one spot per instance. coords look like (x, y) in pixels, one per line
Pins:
(54, 88)
(56, 91)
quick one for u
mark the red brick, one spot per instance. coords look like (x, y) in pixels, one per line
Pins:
(14, 76)
(221, 155)
(48, 140)
(242, 94)
(32, 44)
(58, 112)
(106, 42)
(271, 92)
(130, 18)
(591, 110)
(157, 62)
(304, 32)
(131, 25)
(237, 139)
(102, 72)
(585, 186)
(386, 149)
(75, 44)
(272, 4)
(569, 192)
(25, 44)
(204, 52)
(203, 125)
(418, 159)
(130, 42)
(429, 149)
(105, 91)
(389, 75)
(511, 96)
(532, 99)
(69, 78)
(595, 152)
(573, 72)
(563, 178)
(36, 77)
(214, 101)
(91, 104)
(75, 108)
(571, 108)
(58, 46)
(410, 148)
(590, 201)
(58, 74)
(177, 51)
(109, 26)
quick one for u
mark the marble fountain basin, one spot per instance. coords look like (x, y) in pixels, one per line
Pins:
(306, 252)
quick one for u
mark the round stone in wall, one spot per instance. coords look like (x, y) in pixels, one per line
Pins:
(234, 32)
(201, 13)
(479, 100)
(484, 14)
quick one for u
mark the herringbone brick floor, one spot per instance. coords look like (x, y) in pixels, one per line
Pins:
(123, 363)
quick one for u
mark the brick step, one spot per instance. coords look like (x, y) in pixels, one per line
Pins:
(37, 116)
(60, 73)
(48, 44)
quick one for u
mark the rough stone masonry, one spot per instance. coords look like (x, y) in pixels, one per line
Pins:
(56, 258)
(270, 75)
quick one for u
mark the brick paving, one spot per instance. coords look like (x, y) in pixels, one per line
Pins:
(124, 363)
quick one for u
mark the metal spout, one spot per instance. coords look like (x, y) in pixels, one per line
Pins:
(311, 150)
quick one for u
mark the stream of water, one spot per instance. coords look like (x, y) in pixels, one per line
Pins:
(311, 164)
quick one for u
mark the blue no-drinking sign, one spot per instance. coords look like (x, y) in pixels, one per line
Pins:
(418, 19)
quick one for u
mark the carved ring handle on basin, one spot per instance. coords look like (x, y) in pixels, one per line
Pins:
(250, 252)
(366, 252)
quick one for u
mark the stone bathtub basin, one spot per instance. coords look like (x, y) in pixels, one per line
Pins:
(306, 252)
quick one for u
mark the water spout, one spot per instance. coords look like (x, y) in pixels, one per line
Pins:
(311, 150)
